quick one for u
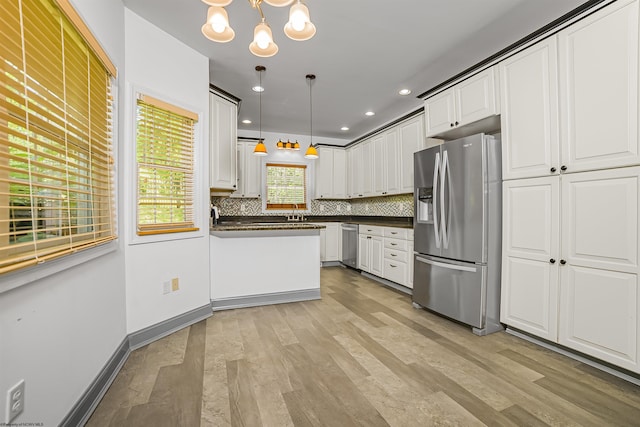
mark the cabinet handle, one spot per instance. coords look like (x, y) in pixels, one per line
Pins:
(391, 265)
(394, 244)
(393, 254)
(394, 232)
(451, 124)
(563, 168)
(368, 237)
(552, 261)
(457, 123)
(234, 186)
(553, 169)
(562, 262)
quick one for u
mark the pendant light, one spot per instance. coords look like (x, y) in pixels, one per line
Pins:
(312, 152)
(260, 149)
(217, 26)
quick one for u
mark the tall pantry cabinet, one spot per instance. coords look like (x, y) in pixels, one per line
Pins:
(571, 187)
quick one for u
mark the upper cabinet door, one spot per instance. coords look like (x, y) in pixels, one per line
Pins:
(440, 112)
(599, 89)
(324, 173)
(529, 120)
(392, 154)
(339, 177)
(252, 171)
(411, 139)
(379, 165)
(475, 97)
(223, 128)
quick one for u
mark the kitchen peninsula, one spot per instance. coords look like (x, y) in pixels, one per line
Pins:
(264, 263)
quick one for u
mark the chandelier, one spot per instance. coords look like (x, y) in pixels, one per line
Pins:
(299, 27)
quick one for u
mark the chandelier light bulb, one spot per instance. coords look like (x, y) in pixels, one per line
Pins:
(218, 22)
(298, 18)
(263, 44)
(221, 3)
(217, 26)
(263, 39)
(279, 3)
(299, 27)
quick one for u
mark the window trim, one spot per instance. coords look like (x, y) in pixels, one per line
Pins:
(310, 172)
(131, 175)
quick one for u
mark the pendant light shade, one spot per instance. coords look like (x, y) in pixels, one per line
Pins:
(263, 45)
(260, 149)
(312, 152)
(221, 3)
(217, 26)
(299, 27)
(279, 3)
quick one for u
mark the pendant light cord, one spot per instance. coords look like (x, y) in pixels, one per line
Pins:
(260, 98)
(310, 78)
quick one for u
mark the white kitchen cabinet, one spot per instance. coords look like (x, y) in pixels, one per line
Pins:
(331, 172)
(223, 128)
(378, 167)
(598, 69)
(529, 120)
(331, 242)
(248, 170)
(367, 172)
(410, 140)
(357, 171)
(599, 297)
(370, 249)
(530, 255)
(339, 173)
(570, 261)
(392, 153)
(466, 102)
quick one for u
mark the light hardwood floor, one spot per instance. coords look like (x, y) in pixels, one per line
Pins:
(360, 356)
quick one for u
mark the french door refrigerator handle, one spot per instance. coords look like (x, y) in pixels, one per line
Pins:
(444, 265)
(443, 222)
(436, 170)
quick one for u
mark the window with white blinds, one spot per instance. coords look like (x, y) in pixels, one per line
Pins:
(286, 186)
(56, 165)
(164, 153)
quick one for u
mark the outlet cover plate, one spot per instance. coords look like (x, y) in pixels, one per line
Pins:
(15, 401)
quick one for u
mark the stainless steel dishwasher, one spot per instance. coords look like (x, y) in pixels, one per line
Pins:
(350, 245)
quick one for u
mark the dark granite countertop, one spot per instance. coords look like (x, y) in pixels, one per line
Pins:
(266, 226)
(399, 222)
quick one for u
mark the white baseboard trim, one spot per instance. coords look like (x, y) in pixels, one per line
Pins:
(265, 299)
(576, 356)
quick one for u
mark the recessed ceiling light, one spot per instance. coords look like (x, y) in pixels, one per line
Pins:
(344, 128)
(404, 92)
(246, 121)
(369, 113)
(257, 89)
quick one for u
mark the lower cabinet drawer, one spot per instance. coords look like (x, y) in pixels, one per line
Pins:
(395, 271)
(395, 255)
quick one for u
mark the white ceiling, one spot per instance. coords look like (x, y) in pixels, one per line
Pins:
(362, 54)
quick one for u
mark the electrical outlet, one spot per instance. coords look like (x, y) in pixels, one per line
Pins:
(399, 206)
(166, 287)
(243, 207)
(321, 208)
(339, 208)
(366, 207)
(175, 284)
(15, 401)
(348, 208)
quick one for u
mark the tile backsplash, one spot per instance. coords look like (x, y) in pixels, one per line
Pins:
(398, 205)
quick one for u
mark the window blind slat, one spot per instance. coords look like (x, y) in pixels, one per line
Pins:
(56, 173)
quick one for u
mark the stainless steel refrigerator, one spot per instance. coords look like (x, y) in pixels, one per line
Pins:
(457, 231)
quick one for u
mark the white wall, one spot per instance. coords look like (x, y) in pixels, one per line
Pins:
(57, 333)
(165, 68)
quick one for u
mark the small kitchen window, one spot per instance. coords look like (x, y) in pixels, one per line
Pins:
(286, 186)
(164, 154)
